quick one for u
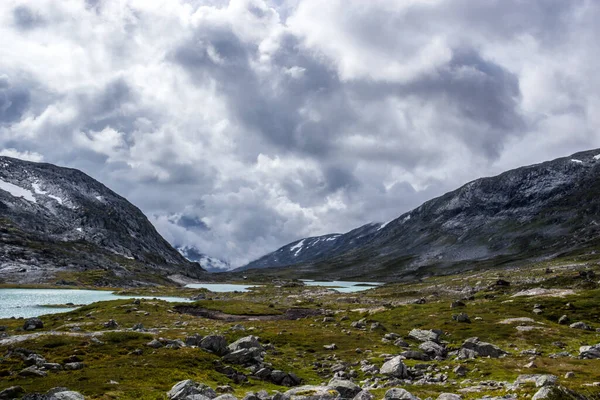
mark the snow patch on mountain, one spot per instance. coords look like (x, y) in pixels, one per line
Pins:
(38, 190)
(298, 247)
(17, 191)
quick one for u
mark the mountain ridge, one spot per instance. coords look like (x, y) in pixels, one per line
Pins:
(60, 223)
(491, 218)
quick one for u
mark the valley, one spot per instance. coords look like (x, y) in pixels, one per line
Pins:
(414, 336)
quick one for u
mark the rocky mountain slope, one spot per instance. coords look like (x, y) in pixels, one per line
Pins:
(536, 211)
(60, 224)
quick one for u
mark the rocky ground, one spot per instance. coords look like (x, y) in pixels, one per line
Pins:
(512, 333)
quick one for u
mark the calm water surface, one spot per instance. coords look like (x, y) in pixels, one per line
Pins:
(343, 286)
(30, 302)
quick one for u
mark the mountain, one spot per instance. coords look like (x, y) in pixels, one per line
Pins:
(315, 248)
(210, 264)
(58, 224)
(528, 213)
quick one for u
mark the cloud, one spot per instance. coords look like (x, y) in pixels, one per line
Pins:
(239, 126)
(23, 155)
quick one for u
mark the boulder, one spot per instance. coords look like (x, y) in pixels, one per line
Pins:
(425, 335)
(581, 325)
(226, 396)
(449, 396)
(364, 395)
(67, 395)
(462, 317)
(247, 342)
(244, 356)
(155, 344)
(401, 343)
(394, 367)
(556, 392)
(111, 324)
(347, 389)
(73, 366)
(483, 349)
(193, 340)
(460, 371)
(590, 352)
(433, 349)
(215, 343)
(35, 359)
(311, 393)
(33, 324)
(183, 389)
(12, 392)
(564, 320)
(399, 394)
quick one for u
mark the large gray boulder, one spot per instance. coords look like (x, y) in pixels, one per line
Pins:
(183, 389)
(483, 349)
(590, 352)
(215, 343)
(581, 325)
(433, 349)
(555, 393)
(424, 335)
(347, 389)
(247, 342)
(394, 367)
(449, 396)
(249, 356)
(67, 395)
(399, 394)
(308, 392)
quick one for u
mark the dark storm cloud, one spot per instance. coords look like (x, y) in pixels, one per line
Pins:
(14, 101)
(26, 18)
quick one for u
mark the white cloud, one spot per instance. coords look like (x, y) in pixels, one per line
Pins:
(273, 120)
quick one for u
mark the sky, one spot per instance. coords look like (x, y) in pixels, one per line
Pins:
(240, 126)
